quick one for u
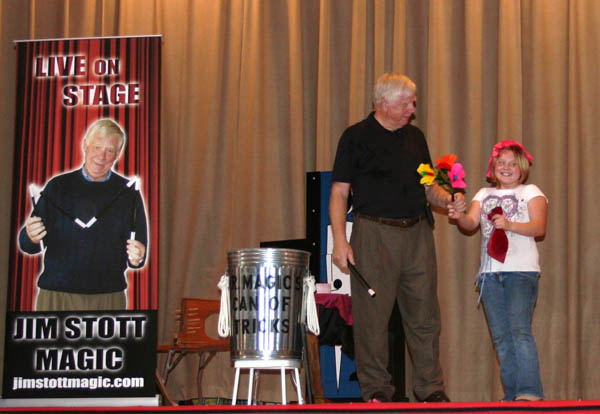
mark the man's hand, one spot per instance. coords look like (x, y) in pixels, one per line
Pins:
(135, 252)
(457, 207)
(36, 231)
(342, 254)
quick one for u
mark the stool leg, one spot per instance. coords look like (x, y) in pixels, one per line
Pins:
(256, 386)
(299, 386)
(283, 396)
(236, 382)
(250, 384)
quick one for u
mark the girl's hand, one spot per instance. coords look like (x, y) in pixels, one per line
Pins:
(456, 208)
(501, 222)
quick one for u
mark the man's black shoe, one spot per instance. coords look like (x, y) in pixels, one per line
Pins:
(437, 396)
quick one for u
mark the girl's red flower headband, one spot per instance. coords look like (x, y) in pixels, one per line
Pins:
(501, 145)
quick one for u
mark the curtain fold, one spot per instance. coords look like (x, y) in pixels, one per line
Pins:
(257, 93)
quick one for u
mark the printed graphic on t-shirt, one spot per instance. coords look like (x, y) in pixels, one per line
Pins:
(510, 210)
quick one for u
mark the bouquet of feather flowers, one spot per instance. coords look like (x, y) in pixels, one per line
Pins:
(448, 173)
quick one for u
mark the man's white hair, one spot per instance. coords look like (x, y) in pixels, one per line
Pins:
(390, 86)
(105, 127)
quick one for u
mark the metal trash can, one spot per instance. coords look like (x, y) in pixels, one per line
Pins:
(266, 288)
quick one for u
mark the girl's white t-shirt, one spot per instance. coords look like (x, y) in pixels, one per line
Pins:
(522, 254)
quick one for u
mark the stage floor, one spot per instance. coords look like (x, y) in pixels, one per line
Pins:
(416, 408)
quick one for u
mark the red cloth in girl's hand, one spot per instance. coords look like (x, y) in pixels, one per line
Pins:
(498, 243)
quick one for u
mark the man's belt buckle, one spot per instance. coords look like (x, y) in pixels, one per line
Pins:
(406, 222)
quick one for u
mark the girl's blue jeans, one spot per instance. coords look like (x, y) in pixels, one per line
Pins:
(508, 299)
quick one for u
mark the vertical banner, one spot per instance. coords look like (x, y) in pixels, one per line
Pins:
(83, 265)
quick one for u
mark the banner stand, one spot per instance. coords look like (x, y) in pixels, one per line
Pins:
(78, 100)
(81, 402)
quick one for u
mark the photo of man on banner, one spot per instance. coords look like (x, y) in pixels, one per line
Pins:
(90, 226)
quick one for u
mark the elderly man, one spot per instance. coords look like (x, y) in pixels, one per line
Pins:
(90, 224)
(392, 239)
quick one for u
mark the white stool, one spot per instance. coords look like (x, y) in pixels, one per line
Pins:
(281, 365)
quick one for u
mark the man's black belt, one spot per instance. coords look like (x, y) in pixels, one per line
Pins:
(398, 222)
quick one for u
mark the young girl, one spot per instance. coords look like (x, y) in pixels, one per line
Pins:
(510, 216)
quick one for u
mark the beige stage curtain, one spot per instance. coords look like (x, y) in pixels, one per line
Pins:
(257, 92)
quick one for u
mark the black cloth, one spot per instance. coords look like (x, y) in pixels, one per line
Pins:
(381, 166)
(334, 331)
(87, 260)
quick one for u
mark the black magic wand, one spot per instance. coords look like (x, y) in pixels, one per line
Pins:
(361, 279)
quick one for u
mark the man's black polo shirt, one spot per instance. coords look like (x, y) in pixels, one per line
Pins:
(381, 167)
